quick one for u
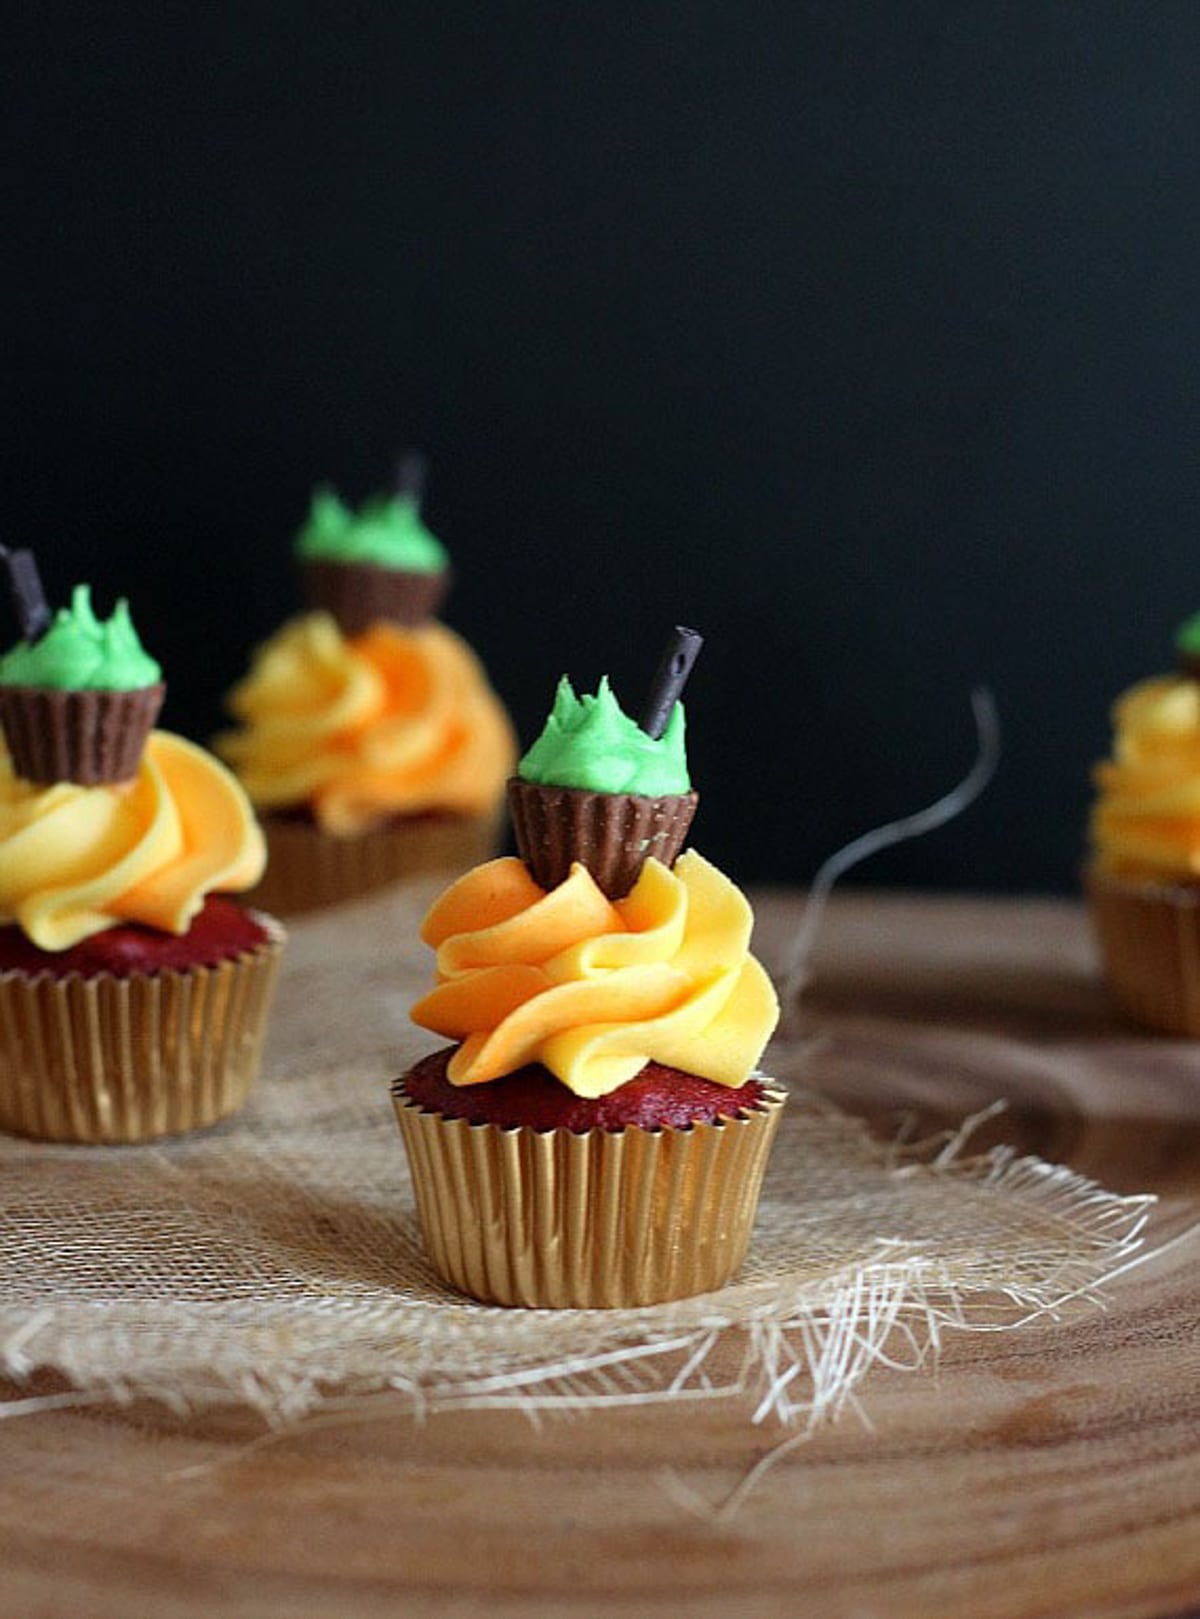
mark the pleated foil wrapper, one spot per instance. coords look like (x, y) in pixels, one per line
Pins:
(1149, 937)
(106, 1059)
(612, 834)
(308, 868)
(88, 737)
(359, 593)
(603, 1220)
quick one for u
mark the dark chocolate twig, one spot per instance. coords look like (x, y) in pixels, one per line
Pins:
(412, 469)
(29, 599)
(675, 665)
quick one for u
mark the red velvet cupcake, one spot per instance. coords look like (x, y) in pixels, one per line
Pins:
(597, 1135)
(133, 995)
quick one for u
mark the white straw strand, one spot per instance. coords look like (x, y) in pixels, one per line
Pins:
(937, 814)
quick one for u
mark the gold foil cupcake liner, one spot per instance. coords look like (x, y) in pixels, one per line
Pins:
(601, 1220)
(1149, 937)
(89, 737)
(308, 868)
(110, 1059)
(612, 834)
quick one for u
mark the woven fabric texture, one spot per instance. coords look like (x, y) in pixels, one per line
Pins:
(275, 1261)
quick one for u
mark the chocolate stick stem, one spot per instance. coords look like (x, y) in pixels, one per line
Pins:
(412, 469)
(29, 599)
(675, 665)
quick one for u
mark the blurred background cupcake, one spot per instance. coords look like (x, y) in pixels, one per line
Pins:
(1143, 880)
(133, 991)
(368, 735)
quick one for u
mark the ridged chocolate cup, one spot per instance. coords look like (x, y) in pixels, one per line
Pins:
(359, 593)
(612, 834)
(88, 737)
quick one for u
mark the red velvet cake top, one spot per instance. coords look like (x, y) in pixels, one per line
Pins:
(222, 930)
(656, 1098)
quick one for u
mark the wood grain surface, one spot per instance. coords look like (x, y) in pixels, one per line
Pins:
(1053, 1471)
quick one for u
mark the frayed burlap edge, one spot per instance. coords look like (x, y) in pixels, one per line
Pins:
(804, 1348)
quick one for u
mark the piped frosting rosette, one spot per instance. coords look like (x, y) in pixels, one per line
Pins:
(593, 989)
(389, 722)
(1146, 820)
(391, 745)
(77, 860)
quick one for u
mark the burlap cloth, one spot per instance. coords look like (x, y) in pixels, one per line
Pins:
(274, 1260)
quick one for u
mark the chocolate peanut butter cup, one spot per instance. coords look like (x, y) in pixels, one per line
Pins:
(86, 737)
(78, 695)
(359, 593)
(612, 834)
(378, 562)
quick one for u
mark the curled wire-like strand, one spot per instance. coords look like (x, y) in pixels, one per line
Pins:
(946, 808)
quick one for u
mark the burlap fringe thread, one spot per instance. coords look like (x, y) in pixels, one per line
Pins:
(275, 1263)
(221, 1272)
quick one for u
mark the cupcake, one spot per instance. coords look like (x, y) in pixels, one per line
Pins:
(1143, 877)
(596, 1133)
(368, 736)
(133, 991)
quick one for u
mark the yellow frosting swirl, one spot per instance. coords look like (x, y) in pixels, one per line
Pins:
(389, 722)
(76, 860)
(594, 989)
(1146, 820)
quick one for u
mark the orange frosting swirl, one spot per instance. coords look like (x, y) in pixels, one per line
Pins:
(389, 722)
(77, 860)
(1146, 820)
(594, 989)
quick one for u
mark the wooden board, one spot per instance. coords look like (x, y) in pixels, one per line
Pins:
(1053, 1471)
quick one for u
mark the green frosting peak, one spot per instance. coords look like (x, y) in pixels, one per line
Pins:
(386, 532)
(80, 652)
(1187, 637)
(590, 742)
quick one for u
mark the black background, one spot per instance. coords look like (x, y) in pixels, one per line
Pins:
(863, 336)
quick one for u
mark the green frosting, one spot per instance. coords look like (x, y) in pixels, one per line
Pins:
(386, 532)
(1187, 637)
(80, 652)
(591, 742)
